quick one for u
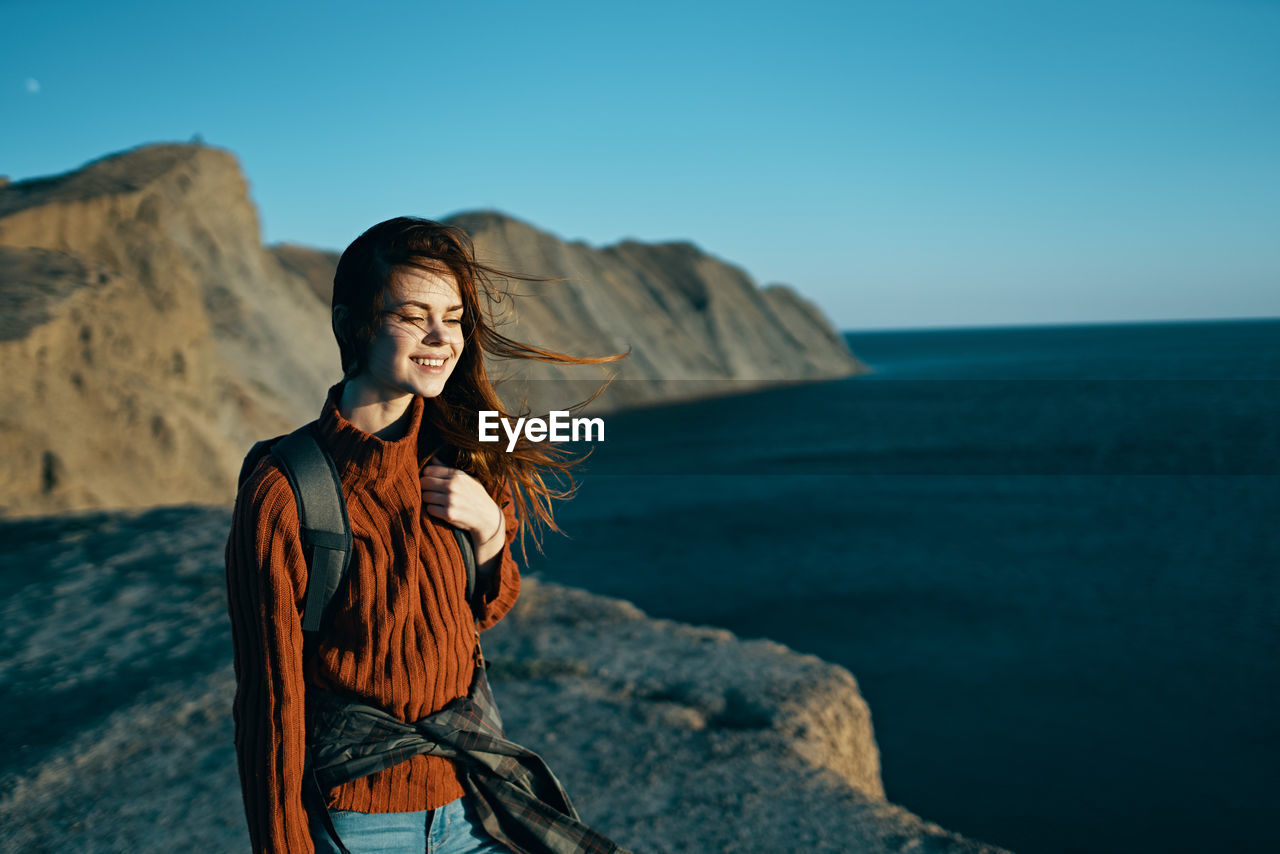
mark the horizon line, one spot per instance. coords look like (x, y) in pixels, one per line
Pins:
(957, 327)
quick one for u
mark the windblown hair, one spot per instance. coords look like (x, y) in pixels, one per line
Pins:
(361, 283)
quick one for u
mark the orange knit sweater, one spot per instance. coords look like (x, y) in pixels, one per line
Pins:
(401, 634)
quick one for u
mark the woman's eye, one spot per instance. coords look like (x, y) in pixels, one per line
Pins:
(453, 320)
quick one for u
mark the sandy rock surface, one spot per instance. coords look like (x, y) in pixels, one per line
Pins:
(115, 664)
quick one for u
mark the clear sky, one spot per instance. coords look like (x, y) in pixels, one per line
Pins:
(905, 163)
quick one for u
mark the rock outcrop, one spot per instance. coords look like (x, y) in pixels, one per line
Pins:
(116, 666)
(148, 338)
(695, 326)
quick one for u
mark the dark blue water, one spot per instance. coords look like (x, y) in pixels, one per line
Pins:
(1049, 555)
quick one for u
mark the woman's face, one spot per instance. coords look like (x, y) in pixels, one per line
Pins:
(420, 340)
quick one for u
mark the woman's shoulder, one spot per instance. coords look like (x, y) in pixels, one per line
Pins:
(265, 531)
(267, 494)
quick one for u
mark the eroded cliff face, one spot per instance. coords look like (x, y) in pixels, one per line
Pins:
(148, 338)
(151, 339)
(693, 325)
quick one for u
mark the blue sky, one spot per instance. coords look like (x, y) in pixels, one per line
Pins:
(907, 163)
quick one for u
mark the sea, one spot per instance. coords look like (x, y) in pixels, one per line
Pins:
(1050, 555)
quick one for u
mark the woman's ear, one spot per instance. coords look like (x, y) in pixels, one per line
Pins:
(341, 321)
(340, 317)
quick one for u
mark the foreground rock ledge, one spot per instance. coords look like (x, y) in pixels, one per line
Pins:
(674, 737)
(669, 737)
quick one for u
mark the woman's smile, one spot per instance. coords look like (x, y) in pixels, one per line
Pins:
(431, 365)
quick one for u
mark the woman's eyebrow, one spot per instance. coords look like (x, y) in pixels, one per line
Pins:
(423, 305)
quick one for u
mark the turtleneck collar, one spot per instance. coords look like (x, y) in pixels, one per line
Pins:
(354, 448)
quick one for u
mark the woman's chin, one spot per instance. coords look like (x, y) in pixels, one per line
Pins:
(434, 388)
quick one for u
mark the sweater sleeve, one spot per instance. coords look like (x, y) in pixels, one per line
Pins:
(266, 574)
(504, 587)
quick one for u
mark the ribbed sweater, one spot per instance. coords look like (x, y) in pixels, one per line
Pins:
(401, 635)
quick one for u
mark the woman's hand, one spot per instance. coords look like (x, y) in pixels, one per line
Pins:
(459, 499)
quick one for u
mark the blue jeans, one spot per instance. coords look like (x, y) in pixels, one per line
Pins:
(452, 829)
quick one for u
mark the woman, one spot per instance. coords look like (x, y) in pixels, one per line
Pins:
(401, 428)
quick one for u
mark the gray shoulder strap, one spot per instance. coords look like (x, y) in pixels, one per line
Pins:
(322, 514)
(468, 558)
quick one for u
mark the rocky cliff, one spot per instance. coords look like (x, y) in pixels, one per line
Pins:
(148, 338)
(116, 667)
(695, 325)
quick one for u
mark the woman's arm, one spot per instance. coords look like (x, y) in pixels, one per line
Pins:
(498, 574)
(266, 574)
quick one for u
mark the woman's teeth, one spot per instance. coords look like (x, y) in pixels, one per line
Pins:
(430, 363)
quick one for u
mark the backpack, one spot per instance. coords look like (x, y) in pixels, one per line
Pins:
(322, 518)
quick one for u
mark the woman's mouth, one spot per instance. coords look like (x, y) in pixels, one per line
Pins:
(430, 365)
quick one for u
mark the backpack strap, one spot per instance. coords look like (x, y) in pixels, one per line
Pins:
(322, 515)
(468, 560)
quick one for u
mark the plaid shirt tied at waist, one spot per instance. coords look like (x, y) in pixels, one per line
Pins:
(519, 799)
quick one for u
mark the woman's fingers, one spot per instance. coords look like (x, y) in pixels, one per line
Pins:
(455, 496)
(442, 505)
(439, 512)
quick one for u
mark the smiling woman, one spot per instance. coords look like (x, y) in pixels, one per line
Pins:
(425, 497)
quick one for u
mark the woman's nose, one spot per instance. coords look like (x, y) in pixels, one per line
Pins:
(433, 330)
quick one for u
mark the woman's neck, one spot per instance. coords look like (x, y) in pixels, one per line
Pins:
(372, 410)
